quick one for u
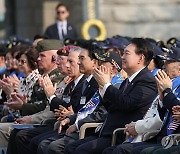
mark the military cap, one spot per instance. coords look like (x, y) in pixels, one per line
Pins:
(156, 50)
(49, 44)
(64, 51)
(112, 57)
(174, 55)
(172, 41)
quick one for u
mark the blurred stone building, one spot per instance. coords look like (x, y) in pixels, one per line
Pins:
(148, 18)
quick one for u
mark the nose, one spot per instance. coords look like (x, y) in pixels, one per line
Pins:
(39, 58)
(78, 62)
(67, 65)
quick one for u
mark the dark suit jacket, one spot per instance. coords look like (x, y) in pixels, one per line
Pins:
(131, 105)
(52, 32)
(76, 96)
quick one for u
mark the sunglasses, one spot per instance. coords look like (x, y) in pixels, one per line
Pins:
(60, 12)
(22, 61)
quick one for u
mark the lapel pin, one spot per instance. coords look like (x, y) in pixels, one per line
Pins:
(69, 28)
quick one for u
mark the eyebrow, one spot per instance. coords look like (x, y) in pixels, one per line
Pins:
(81, 56)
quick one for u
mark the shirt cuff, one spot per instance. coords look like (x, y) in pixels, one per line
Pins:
(50, 98)
(102, 92)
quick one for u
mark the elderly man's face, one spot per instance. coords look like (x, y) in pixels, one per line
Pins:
(45, 63)
(72, 64)
(172, 68)
(61, 64)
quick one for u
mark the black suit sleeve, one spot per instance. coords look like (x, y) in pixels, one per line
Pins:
(135, 98)
(55, 102)
(73, 118)
(170, 100)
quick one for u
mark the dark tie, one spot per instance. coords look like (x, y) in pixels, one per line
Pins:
(85, 83)
(69, 88)
(126, 84)
(62, 32)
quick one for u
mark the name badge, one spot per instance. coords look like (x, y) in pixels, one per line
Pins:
(66, 98)
(83, 100)
(38, 102)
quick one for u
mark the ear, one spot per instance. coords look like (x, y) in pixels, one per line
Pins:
(67, 13)
(53, 58)
(95, 62)
(142, 58)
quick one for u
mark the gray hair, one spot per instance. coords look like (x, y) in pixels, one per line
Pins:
(76, 49)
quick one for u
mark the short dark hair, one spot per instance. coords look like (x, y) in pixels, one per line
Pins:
(158, 62)
(143, 47)
(61, 4)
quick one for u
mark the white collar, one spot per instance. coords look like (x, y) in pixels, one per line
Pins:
(64, 23)
(77, 80)
(135, 74)
(89, 78)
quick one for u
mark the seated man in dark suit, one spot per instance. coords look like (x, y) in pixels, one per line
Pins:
(61, 29)
(169, 92)
(128, 103)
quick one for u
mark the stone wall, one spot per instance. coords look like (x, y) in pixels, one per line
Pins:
(148, 18)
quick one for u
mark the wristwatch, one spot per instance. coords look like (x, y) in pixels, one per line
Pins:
(167, 90)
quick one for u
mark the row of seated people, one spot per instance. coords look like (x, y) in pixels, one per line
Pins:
(95, 94)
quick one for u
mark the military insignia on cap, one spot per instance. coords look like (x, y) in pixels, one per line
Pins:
(173, 41)
(63, 51)
(107, 54)
(116, 65)
(99, 58)
(9, 46)
(67, 41)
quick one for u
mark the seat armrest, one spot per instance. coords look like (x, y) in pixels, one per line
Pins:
(85, 126)
(115, 135)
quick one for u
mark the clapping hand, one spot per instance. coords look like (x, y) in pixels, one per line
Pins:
(6, 86)
(47, 85)
(63, 123)
(102, 75)
(163, 82)
(24, 120)
(17, 101)
(63, 112)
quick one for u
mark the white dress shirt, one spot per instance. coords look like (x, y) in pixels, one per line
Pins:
(62, 26)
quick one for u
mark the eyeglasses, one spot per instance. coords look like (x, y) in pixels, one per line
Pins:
(60, 12)
(22, 61)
